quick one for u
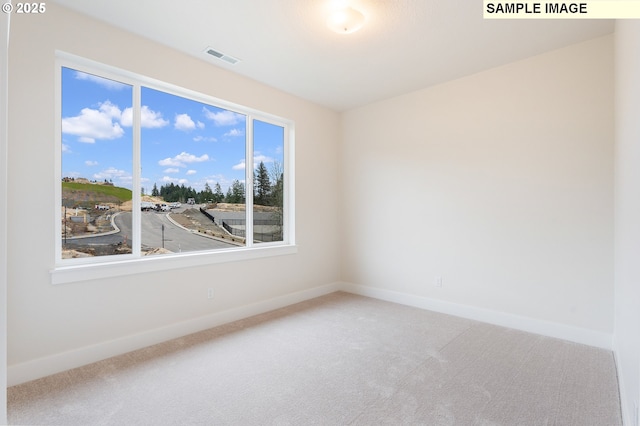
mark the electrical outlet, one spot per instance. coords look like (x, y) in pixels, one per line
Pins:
(438, 281)
(209, 293)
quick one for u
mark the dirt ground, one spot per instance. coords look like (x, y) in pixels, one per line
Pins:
(191, 218)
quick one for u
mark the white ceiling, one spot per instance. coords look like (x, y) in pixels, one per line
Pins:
(404, 46)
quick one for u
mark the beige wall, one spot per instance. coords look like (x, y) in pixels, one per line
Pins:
(627, 218)
(501, 183)
(45, 319)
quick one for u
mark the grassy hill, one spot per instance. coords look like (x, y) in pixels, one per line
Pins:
(90, 193)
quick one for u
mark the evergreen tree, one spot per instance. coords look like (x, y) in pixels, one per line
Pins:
(235, 194)
(172, 192)
(154, 191)
(218, 196)
(261, 185)
(184, 193)
(207, 193)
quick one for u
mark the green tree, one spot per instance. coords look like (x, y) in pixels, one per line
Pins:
(277, 197)
(277, 189)
(261, 185)
(218, 195)
(235, 194)
(207, 194)
(187, 192)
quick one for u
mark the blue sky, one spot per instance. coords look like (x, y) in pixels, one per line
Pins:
(182, 141)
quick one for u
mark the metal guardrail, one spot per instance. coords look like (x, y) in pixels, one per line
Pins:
(207, 214)
(257, 236)
(229, 226)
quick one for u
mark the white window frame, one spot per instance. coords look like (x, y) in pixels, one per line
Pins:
(82, 269)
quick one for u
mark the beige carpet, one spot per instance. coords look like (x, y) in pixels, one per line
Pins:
(337, 360)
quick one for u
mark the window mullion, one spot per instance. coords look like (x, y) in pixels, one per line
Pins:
(288, 187)
(249, 179)
(136, 215)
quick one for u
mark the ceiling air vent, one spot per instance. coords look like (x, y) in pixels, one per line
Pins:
(228, 59)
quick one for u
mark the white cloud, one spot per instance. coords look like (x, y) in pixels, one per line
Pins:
(171, 170)
(234, 133)
(184, 122)
(91, 163)
(104, 82)
(191, 172)
(205, 139)
(126, 119)
(148, 118)
(151, 119)
(219, 178)
(224, 182)
(93, 124)
(169, 179)
(259, 157)
(113, 174)
(182, 159)
(223, 118)
(256, 162)
(65, 148)
(200, 125)
(110, 109)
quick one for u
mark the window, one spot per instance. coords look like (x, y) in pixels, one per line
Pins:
(152, 170)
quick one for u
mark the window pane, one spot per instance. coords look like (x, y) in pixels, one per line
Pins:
(193, 178)
(97, 150)
(268, 182)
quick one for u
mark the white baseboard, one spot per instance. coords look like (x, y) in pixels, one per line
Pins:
(531, 325)
(629, 414)
(41, 367)
(626, 417)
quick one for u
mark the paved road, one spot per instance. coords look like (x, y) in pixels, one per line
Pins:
(173, 237)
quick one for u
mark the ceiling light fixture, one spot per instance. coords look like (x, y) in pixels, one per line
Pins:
(345, 21)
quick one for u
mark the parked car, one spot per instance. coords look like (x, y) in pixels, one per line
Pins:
(147, 205)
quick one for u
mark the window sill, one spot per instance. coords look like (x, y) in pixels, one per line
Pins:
(76, 273)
